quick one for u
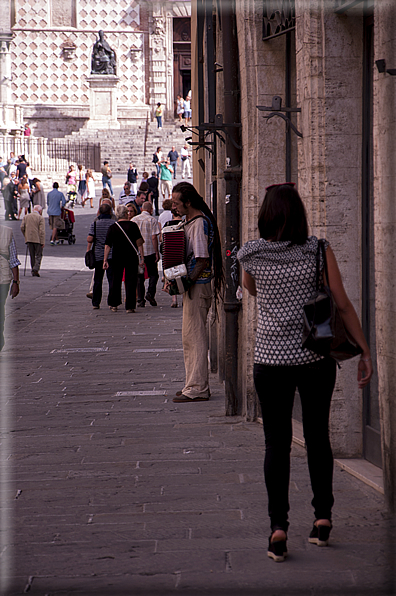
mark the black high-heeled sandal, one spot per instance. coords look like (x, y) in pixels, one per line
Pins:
(320, 535)
(277, 549)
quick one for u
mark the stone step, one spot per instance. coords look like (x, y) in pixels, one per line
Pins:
(122, 146)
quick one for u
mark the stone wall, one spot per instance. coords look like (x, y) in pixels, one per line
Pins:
(329, 163)
(385, 235)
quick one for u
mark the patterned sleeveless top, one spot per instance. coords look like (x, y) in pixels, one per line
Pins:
(285, 277)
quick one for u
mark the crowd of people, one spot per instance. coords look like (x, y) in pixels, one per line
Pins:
(20, 189)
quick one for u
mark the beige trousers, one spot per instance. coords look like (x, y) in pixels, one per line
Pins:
(195, 340)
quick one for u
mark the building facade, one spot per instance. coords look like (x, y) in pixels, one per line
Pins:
(46, 50)
(315, 88)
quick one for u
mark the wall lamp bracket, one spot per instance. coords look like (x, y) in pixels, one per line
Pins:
(381, 67)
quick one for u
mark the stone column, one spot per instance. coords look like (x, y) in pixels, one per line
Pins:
(169, 65)
(385, 235)
(330, 178)
(157, 41)
(10, 115)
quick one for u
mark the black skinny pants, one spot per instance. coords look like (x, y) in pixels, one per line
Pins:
(98, 282)
(276, 386)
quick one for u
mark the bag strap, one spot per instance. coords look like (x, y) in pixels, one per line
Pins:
(321, 251)
(129, 240)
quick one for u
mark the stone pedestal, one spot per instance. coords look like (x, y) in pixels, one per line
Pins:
(103, 101)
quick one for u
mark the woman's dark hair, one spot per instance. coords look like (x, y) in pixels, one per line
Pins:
(144, 186)
(188, 194)
(282, 216)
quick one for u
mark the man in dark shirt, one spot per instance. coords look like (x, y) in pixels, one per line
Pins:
(153, 190)
(132, 175)
(173, 157)
(21, 167)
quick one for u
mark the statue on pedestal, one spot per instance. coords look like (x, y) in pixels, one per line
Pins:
(103, 57)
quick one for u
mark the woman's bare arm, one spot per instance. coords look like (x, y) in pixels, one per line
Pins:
(350, 318)
(249, 283)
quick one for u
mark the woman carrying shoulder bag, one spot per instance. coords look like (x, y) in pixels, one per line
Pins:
(280, 270)
(126, 242)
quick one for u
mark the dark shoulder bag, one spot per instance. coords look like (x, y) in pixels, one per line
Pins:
(90, 254)
(324, 332)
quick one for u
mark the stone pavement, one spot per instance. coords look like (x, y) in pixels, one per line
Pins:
(109, 488)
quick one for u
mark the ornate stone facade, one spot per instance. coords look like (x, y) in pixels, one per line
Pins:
(51, 49)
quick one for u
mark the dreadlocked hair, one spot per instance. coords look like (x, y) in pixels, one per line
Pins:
(189, 194)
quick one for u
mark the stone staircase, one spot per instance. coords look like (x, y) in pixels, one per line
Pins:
(136, 145)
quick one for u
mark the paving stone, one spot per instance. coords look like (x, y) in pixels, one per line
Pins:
(136, 494)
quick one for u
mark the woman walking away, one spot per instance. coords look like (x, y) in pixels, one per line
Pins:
(280, 270)
(126, 242)
(97, 233)
(38, 195)
(82, 183)
(24, 196)
(180, 107)
(159, 110)
(90, 189)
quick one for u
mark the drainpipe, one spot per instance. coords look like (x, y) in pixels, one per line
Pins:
(232, 176)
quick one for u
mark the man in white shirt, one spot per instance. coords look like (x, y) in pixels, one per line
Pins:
(185, 158)
(149, 230)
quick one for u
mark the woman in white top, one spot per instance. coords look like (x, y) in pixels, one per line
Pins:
(90, 189)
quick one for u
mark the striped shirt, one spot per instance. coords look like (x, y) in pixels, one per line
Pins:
(102, 224)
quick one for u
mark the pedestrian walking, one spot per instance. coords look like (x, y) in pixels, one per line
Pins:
(125, 240)
(173, 157)
(150, 230)
(38, 195)
(89, 193)
(180, 107)
(166, 172)
(126, 195)
(106, 177)
(159, 111)
(9, 273)
(153, 190)
(71, 182)
(185, 159)
(132, 177)
(204, 263)
(166, 215)
(9, 193)
(280, 270)
(187, 109)
(157, 158)
(24, 196)
(55, 201)
(82, 183)
(33, 229)
(97, 235)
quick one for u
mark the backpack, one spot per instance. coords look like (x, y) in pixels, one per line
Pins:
(155, 158)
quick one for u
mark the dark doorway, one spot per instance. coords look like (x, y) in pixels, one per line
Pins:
(181, 57)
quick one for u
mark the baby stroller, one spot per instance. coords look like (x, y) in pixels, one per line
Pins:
(71, 196)
(66, 233)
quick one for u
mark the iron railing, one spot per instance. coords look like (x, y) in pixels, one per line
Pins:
(54, 155)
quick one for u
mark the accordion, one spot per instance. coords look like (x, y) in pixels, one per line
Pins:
(173, 254)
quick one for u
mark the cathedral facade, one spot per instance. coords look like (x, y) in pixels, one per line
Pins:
(46, 56)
